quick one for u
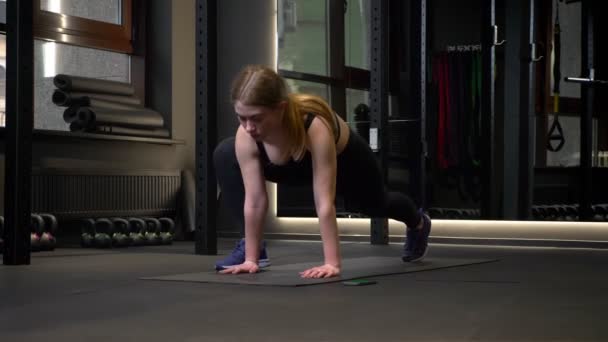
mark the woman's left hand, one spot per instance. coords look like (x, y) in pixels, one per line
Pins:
(324, 271)
(246, 267)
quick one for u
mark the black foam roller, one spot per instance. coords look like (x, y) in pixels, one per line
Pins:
(91, 117)
(78, 83)
(70, 114)
(138, 132)
(66, 98)
(77, 126)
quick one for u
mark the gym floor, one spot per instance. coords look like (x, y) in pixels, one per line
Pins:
(530, 294)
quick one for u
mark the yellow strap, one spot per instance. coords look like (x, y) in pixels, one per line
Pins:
(555, 103)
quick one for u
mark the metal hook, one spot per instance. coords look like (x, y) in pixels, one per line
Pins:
(533, 56)
(496, 42)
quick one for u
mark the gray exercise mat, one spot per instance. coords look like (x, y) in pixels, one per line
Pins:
(355, 268)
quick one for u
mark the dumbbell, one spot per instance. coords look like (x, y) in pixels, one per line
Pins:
(167, 229)
(454, 214)
(571, 212)
(552, 212)
(87, 235)
(536, 215)
(538, 212)
(152, 232)
(120, 235)
(476, 213)
(435, 212)
(1, 234)
(37, 227)
(137, 228)
(48, 242)
(600, 211)
(596, 211)
(561, 212)
(467, 214)
(103, 233)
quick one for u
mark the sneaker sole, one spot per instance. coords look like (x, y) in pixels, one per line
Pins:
(425, 251)
(418, 258)
(261, 264)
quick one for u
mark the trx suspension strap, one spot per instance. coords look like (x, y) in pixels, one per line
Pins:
(556, 134)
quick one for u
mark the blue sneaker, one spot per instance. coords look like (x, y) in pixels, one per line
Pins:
(417, 240)
(238, 257)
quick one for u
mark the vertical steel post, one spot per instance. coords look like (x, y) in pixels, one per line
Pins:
(417, 103)
(378, 98)
(526, 110)
(489, 196)
(337, 94)
(587, 95)
(206, 127)
(19, 126)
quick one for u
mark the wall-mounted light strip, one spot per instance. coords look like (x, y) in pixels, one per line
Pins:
(461, 229)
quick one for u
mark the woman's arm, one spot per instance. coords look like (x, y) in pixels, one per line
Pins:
(256, 200)
(323, 151)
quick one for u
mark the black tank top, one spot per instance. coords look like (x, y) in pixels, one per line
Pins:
(292, 171)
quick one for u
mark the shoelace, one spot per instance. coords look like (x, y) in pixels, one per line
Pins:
(240, 248)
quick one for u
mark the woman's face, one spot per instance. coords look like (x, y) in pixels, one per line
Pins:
(259, 121)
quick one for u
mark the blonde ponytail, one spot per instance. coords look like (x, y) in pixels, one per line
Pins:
(261, 86)
(295, 128)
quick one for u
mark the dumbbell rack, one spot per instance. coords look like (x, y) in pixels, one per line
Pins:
(117, 232)
(545, 212)
(43, 232)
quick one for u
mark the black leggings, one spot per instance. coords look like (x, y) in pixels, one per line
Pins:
(359, 181)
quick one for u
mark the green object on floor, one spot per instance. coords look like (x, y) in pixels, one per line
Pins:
(359, 282)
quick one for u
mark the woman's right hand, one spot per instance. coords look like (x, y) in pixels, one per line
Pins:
(246, 267)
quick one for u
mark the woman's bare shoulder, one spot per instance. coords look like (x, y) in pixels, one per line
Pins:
(245, 145)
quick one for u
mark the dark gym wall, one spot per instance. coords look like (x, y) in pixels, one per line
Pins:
(246, 35)
(454, 23)
(74, 153)
(183, 79)
(451, 25)
(158, 56)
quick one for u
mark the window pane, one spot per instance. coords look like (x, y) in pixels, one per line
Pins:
(2, 80)
(358, 34)
(297, 86)
(356, 102)
(51, 59)
(569, 154)
(3, 11)
(302, 26)
(108, 11)
(357, 111)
